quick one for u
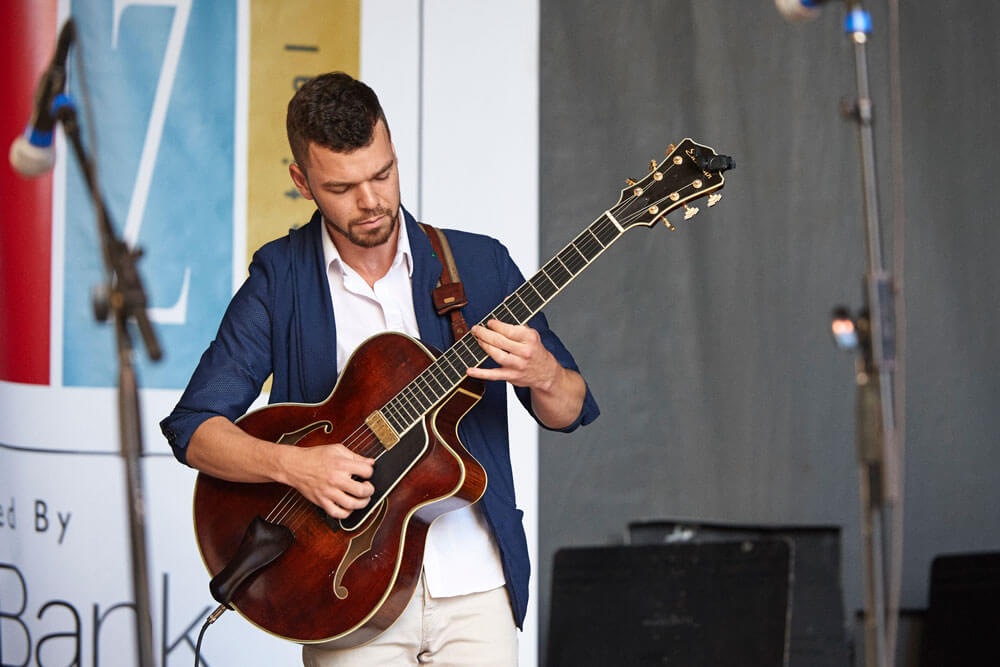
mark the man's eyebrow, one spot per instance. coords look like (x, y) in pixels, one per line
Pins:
(344, 184)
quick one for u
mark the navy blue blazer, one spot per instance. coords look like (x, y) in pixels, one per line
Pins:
(281, 323)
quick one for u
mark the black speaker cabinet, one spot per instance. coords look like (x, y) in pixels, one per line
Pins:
(817, 636)
(721, 604)
(963, 617)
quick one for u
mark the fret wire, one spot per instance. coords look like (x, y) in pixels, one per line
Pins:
(425, 397)
(562, 264)
(573, 260)
(427, 390)
(415, 408)
(477, 349)
(527, 298)
(432, 374)
(589, 248)
(456, 362)
(594, 236)
(473, 349)
(397, 427)
(531, 297)
(392, 416)
(577, 262)
(552, 289)
(447, 374)
(465, 355)
(515, 306)
(403, 409)
(591, 245)
(389, 411)
(497, 315)
(606, 233)
(518, 309)
(557, 273)
(534, 302)
(444, 374)
(454, 380)
(414, 399)
(527, 295)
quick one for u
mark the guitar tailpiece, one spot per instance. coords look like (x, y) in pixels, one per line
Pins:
(263, 542)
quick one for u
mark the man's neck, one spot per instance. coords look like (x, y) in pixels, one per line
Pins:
(370, 263)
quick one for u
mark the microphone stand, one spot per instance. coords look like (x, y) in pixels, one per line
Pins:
(878, 462)
(122, 296)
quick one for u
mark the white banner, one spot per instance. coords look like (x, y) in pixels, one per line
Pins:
(169, 86)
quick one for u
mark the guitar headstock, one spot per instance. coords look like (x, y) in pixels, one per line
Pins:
(690, 172)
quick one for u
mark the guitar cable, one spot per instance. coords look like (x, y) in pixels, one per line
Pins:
(212, 618)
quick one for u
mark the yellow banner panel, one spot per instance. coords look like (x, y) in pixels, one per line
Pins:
(290, 42)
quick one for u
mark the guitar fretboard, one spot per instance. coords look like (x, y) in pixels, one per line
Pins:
(448, 371)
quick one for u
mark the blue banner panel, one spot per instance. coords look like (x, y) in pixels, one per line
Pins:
(156, 97)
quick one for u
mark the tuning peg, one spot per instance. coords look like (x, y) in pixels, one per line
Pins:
(652, 166)
(663, 217)
(630, 182)
(690, 212)
(670, 149)
(713, 199)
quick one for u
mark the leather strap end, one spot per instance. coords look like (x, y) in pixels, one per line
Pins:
(449, 297)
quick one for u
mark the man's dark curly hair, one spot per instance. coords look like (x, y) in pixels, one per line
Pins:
(332, 110)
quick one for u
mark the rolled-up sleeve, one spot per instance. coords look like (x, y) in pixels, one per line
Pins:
(233, 369)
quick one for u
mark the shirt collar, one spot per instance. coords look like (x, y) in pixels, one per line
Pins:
(331, 256)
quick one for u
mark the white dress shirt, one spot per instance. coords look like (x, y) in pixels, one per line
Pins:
(461, 554)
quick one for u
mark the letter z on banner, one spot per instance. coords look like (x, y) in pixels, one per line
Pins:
(161, 78)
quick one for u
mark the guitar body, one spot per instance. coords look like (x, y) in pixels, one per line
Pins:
(343, 582)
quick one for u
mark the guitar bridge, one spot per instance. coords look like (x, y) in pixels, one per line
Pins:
(382, 430)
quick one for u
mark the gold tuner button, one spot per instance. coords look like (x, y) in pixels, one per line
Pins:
(630, 182)
(714, 199)
(652, 166)
(690, 212)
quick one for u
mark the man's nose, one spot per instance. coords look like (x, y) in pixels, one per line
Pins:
(367, 197)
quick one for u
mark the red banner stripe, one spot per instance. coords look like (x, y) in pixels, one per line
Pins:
(26, 205)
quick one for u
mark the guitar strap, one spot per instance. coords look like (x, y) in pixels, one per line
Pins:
(449, 295)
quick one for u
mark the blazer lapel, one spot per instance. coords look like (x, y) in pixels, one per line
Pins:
(315, 330)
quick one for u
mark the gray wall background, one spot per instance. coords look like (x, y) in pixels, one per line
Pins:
(723, 397)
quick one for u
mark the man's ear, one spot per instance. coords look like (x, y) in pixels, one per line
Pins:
(299, 179)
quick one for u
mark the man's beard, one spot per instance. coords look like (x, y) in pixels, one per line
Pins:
(370, 238)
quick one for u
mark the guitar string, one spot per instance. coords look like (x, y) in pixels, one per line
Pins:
(352, 443)
(294, 505)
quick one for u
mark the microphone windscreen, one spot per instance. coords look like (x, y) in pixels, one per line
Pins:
(797, 10)
(30, 160)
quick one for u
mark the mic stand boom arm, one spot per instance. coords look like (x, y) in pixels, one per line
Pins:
(124, 297)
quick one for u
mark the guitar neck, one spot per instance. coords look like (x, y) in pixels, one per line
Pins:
(691, 171)
(448, 371)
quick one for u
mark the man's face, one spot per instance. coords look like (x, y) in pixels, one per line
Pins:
(357, 192)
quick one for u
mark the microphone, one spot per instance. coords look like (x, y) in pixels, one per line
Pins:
(798, 11)
(31, 153)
